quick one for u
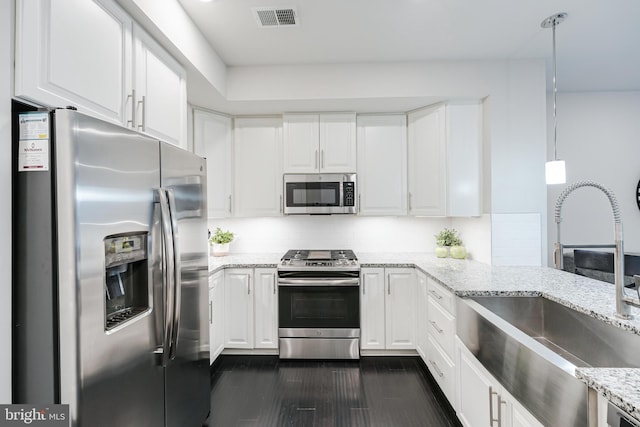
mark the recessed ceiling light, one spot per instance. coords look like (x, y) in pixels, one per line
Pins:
(206, 1)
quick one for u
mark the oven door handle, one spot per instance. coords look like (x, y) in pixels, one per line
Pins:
(318, 282)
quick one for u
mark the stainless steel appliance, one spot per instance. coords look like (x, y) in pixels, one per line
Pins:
(319, 305)
(616, 417)
(320, 194)
(109, 274)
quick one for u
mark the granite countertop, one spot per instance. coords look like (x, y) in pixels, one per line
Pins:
(618, 385)
(471, 278)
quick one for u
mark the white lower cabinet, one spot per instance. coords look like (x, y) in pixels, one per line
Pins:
(238, 303)
(265, 306)
(216, 315)
(481, 400)
(251, 319)
(422, 333)
(388, 309)
(440, 325)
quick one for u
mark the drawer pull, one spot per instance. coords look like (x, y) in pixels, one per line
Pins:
(435, 294)
(435, 326)
(435, 367)
(491, 419)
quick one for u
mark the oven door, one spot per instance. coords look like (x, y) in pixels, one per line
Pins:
(319, 306)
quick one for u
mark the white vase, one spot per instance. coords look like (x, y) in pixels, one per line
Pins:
(220, 249)
(442, 251)
(458, 252)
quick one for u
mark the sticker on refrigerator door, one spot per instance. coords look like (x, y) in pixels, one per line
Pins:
(34, 125)
(33, 155)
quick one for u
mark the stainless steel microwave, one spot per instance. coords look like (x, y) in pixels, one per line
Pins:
(320, 194)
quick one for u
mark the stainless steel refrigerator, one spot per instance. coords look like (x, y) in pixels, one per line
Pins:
(110, 273)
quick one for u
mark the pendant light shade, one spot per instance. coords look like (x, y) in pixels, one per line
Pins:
(555, 171)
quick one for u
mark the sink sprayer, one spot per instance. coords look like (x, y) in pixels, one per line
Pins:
(623, 302)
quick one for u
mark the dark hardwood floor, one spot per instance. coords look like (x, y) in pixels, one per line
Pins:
(263, 391)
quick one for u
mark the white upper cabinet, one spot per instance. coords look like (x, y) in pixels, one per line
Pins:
(90, 54)
(464, 159)
(323, 143)
(212, 134)
(445, 153)
(382, 164)
(161, 91)
(301, 143)
(62, 59)
(427, 162)
(337, 142)
(257, 154)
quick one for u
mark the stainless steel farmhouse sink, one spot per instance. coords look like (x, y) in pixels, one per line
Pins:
(532, 345)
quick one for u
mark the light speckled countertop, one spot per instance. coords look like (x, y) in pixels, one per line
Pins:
(471, 278)
(619, 385)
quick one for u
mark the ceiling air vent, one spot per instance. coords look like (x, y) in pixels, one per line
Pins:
(271, 17)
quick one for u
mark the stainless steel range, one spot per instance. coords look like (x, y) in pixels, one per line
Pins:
(319, 304)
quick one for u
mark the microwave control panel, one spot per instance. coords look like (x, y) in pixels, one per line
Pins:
(349, 197)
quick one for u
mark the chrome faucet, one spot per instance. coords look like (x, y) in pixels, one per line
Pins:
(623, 302)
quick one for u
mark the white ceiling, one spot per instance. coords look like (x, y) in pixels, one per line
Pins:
(598, 45)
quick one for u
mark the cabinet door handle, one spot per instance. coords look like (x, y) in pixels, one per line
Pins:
(435, 294)
(133, 108)
(316, 164)
(389, 284)
(210, 312)
(281, 205)
(230, 204)
(491, 419)
(359, 203)
(435, 367)
(143, 126)
(435, 326)
(273, 281)
(363, 285)
(410, 207)
(322, 159)
(248, 285)
(500, 403)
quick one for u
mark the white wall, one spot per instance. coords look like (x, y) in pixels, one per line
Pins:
(476, 236)
(6, 79)
(515, 104)
(599, 138)
(362, 234)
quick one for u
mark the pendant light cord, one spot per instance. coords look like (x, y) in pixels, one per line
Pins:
(555, 95)
(552, 22)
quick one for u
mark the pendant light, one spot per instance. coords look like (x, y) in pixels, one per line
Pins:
(555, 172)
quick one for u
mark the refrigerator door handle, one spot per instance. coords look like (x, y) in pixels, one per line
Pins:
(177, 271)
(168, 276)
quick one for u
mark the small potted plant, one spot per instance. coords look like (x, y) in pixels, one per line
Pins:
(449, 243)
(219, 242)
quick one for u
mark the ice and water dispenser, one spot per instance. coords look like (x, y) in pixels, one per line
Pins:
(126, 278)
